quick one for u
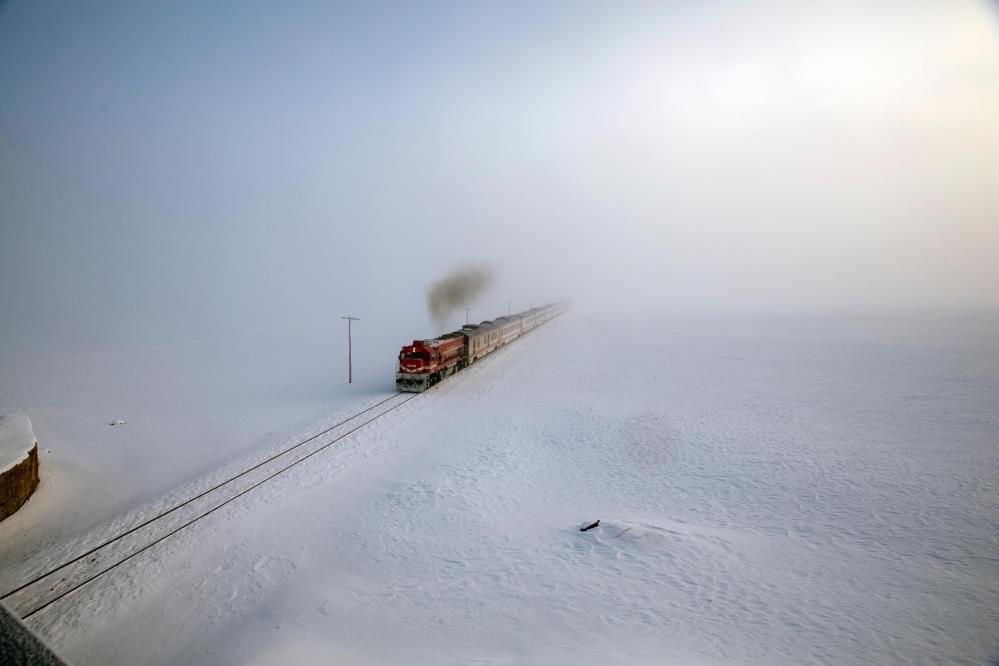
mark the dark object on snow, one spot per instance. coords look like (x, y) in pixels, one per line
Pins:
(19, 645)
(589, 527)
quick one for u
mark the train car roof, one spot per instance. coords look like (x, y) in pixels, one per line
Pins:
(478, 331)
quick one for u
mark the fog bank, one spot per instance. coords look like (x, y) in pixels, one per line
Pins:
(183, 170)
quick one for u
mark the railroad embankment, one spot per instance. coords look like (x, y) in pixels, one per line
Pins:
(18, 462)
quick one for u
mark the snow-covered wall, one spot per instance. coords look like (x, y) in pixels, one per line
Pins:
(18, 462)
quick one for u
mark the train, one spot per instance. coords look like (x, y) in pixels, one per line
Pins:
(427, 362)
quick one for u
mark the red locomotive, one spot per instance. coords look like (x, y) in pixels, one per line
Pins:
(426, 362)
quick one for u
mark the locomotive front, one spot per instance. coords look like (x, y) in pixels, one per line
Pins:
(414, 367)
(426, 362)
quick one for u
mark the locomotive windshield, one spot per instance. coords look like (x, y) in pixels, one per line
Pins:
(421, 356)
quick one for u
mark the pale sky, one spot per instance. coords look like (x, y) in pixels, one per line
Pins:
(190, 167)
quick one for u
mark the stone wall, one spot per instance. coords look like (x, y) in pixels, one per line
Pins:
(18, 482)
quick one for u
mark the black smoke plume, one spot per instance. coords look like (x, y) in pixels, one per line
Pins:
(457, 290)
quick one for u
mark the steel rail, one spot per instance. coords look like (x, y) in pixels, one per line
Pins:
(212, 489)
(100, 573)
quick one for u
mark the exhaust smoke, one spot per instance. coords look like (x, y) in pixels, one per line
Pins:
(457, 290)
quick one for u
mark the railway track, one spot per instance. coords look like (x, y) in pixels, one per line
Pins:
(45, 589)
(56, 583)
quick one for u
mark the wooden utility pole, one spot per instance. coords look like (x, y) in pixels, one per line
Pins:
(467, 310)
(350, 362)
(508, 308)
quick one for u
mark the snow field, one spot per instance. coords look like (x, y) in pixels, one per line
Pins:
(192, 411)
(776, 492)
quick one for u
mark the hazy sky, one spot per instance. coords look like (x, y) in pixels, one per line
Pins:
(190, 168)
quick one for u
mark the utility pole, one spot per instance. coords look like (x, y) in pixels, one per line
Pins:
(350, 362)
(467, 310)
(508, 308)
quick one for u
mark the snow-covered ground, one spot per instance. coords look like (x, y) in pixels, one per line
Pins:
(16, 440)
(770, 490)
(128, 427)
